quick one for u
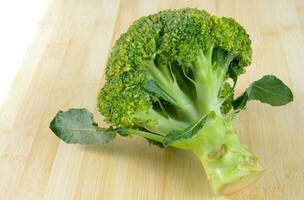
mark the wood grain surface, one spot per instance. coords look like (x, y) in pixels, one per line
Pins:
(64, 67)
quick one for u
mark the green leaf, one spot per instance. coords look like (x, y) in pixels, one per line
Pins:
(234, 71)
(152, 86)
(78, 126)
(240, 102)
(123, 132)
(153, 142)
(186, 133)
(268, 89)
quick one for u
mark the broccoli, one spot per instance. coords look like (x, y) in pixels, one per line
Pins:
(170, 79)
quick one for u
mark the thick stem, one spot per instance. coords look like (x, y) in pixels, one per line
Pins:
(208, 83)
(209, 75)
(183, 103)
(228, 164)
(157, 123)
(207, 96)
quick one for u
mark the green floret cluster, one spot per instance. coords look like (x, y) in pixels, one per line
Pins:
(170, 48)
(170, 79)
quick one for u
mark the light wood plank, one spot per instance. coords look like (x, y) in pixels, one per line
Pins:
(64, 68)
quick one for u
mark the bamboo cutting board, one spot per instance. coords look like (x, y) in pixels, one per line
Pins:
(64, 68)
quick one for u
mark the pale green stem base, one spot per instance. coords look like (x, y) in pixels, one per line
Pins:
(228, 164)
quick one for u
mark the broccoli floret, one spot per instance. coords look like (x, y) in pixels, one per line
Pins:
(186, 53)
(170, 79)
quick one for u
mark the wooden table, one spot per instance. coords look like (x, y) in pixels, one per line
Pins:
(64, 68)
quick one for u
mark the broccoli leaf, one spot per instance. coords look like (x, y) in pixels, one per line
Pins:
(269, 89)
(153, 142)
(152, 86)
(240, 102)
(234, 71)
(123, 132)
(78, 126)
(186, 133)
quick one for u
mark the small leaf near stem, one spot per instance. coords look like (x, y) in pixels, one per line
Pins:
(187, 133)
(78, 126)
(269, 89)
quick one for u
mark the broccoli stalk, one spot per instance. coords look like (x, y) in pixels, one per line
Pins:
(229, 165)
(155, 122)
(168, 80)
(210, 76)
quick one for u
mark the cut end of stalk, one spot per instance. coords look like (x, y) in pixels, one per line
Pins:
(240, 183)
(228, 164)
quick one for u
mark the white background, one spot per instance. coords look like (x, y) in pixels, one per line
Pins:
(18, 22)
